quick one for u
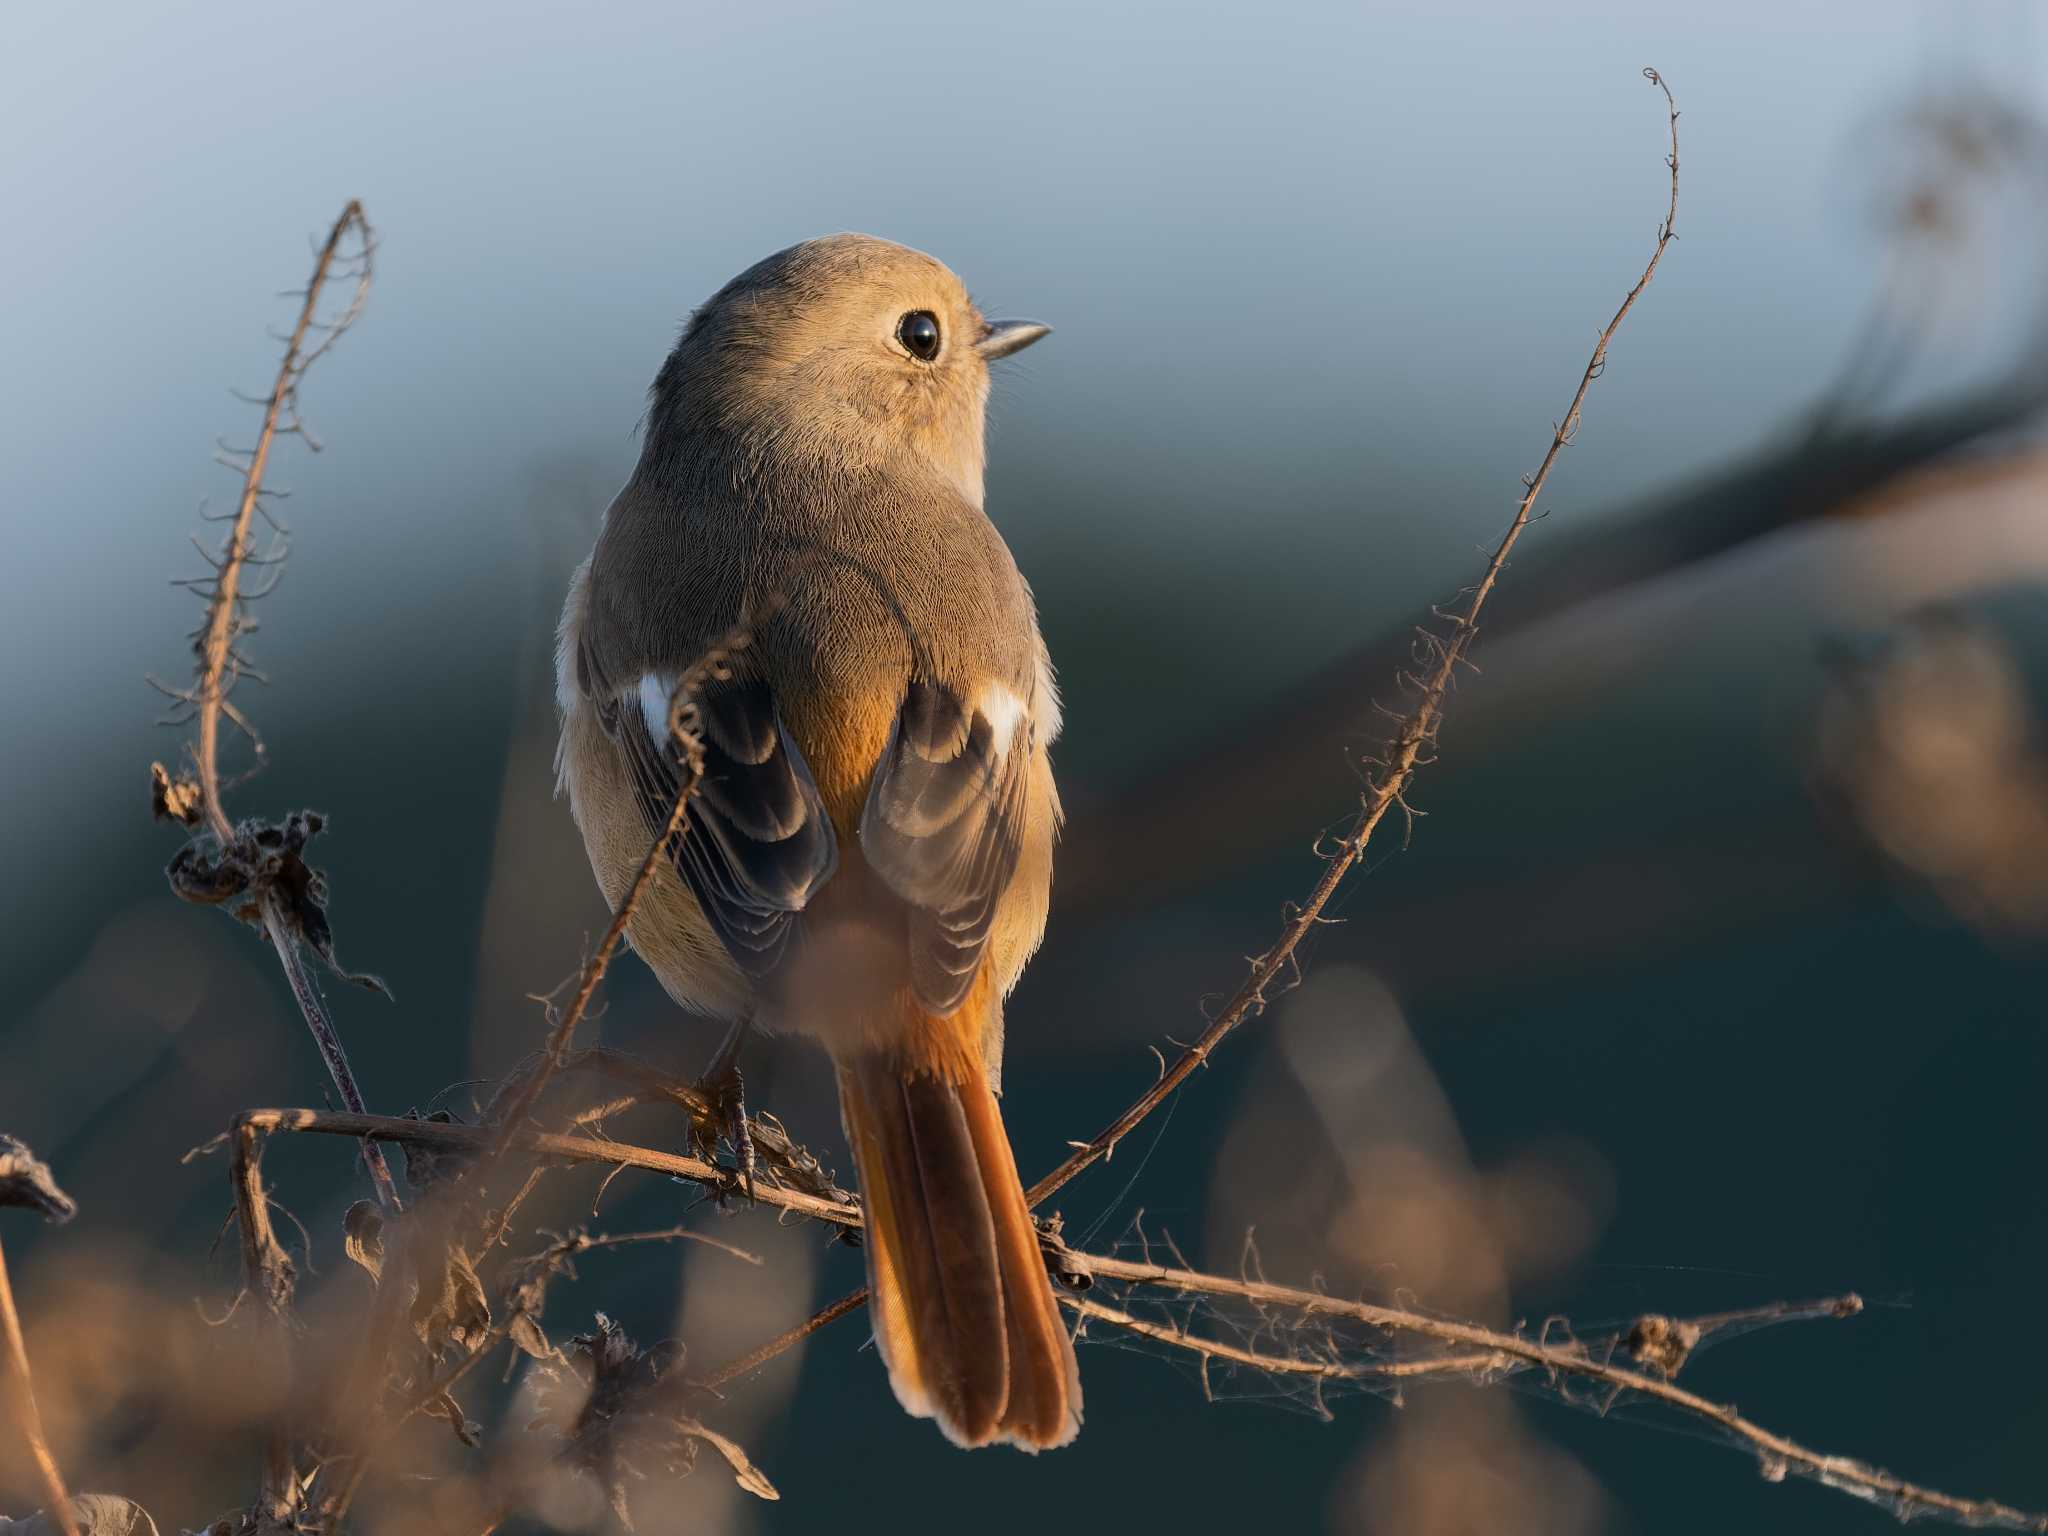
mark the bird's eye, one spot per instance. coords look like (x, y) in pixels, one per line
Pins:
(919, 333)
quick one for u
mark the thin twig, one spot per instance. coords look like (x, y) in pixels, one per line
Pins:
(1464, 1365)
(1777, 1454)
(756, 1358)
(1404, 752)
(224, 607)
(21, 1391)
(683, 727)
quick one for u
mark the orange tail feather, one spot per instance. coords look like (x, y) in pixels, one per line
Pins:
(964, 1312)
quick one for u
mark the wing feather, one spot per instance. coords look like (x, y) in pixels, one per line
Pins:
(943, 825)
(757, 843)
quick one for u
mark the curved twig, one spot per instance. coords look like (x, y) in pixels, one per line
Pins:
(1403, 754)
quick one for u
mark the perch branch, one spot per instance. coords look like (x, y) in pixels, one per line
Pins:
(268, 1272)
(438, 1136)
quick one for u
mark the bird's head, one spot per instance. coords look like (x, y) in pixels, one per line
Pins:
(849, 348)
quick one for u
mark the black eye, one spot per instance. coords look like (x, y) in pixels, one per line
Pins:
(919, 333)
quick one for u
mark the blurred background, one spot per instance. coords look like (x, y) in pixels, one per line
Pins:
(1712, 977)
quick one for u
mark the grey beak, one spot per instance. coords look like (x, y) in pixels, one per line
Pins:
(1007, 336)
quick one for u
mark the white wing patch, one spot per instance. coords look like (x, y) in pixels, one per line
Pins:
(568, 635)
(1045, 700)
(1003, 710)
(656, 688)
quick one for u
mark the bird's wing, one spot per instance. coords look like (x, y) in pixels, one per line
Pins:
(757, 843)
(943, 823)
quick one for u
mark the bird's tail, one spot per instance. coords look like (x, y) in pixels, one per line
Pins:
(963, 1309)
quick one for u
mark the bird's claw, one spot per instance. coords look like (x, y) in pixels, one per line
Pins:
(726, 1090)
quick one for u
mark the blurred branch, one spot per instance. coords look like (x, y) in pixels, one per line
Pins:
(268, 1274)
(226, 615)
(26, 1183)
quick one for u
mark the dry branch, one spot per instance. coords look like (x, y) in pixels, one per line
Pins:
(1404, 753)
(259, 871)
(270, 1276)
(683, 725)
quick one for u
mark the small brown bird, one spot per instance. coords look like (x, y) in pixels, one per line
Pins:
(869, 855)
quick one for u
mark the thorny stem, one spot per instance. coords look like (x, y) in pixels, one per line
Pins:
(22, 1407)
(1777, 1454)
(448, 1137)
(1404, 753)
(223, 609)
(215, 647)
(682, 725)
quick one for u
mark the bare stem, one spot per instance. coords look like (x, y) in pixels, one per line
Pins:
(226, 618)
(1403, 756)
(1776, 1453)
(683, 728)
(327, 1041)
(224, 606)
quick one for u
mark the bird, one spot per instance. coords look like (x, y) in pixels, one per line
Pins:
(865, 856)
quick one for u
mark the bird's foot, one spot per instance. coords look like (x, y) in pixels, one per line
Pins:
(726, 1091)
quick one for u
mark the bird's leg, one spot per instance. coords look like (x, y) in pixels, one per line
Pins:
(723, 1085)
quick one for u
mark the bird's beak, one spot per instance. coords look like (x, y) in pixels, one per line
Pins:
(1006, 336)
